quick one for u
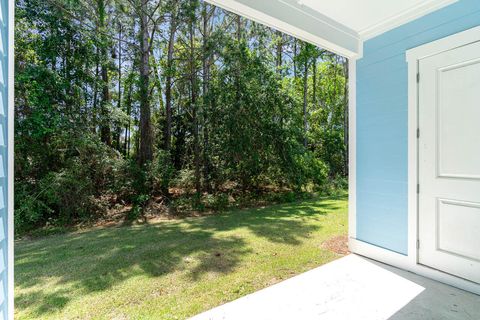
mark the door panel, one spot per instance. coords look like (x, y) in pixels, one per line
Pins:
(455, 215)
(458, 116)
(449, 162)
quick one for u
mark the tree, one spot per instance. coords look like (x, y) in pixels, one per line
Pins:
(193, 96)
(146, 134)
(205, 101)
(169, 76)
(105, 65)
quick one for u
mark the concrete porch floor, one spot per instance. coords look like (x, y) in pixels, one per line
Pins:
(353, 287)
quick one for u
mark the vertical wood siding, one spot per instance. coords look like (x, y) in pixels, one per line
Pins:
(382, 121)
(4, 240)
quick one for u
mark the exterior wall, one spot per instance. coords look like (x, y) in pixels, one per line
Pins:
(382, 121)
(6, 157)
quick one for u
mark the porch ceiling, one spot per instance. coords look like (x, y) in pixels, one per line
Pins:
(340, 26)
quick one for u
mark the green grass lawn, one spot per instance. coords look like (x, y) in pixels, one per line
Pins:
(172, 269)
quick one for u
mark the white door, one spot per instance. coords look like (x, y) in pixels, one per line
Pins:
(449, 162)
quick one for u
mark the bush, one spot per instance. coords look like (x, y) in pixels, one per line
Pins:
(30, 209)
(308, 170)
(71, 193)
(216, 202)
(139, 204)
(129, 180)
(160, 172)
(185, 179)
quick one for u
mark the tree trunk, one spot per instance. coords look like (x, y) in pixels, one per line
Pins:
(95, 93)
(305, 101)
(238, 67)
(239, 28)
(104, 124)
(196, 142)
(119, 105)
(105, 134)
(168, 86)
(295, 58)
(129, 113)
(145, 153)
(206, 98)
(279, 52)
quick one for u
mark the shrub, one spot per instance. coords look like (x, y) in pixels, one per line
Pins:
(185, 179)
(71, 193)
(216, 202)
(139, 203)
(308, 170)
(160, 172)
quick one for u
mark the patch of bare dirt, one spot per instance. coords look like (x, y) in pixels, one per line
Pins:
(337, 244)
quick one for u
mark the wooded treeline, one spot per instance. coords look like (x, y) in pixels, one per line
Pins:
(120, 101)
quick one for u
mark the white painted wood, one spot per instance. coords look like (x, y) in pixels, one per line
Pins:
(458, 154)
(444, 44)
(352, 148)
(378, 253)
(403, 17)
(413, 56)
(373, 17)
(340, 26)
(412, 162)
(304, 24)
(449, 161)
(404, 262)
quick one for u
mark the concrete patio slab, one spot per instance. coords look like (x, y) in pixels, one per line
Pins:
(353, 287)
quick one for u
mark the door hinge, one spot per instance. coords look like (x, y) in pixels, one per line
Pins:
(418, 187)
(418, 244)
(418, 77)
(418, 133)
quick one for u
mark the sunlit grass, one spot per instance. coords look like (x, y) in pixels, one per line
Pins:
(172, 269)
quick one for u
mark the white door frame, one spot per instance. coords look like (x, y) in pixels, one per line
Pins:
(413, 56)
(410, 261)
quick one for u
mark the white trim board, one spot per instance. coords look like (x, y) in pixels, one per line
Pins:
(403, 18)
(451, 42)
(352, 148)
(404, 262)
(300, 22)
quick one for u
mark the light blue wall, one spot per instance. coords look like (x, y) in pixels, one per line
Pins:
(382, 98)
(3, 159)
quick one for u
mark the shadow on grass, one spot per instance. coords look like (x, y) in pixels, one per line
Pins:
(96, 260)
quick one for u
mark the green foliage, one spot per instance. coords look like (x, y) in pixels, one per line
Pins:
(236, 124)
(185, 179)
(216, 202)
(139, 203)
(311, 170)
(71, 193)
(161, 171)
(255, 140)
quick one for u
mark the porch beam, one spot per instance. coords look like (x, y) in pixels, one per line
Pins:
(291, 17)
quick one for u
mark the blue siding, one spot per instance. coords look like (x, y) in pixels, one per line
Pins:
(382, 121)
(4, 160)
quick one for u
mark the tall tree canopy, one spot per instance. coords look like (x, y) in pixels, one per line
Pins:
(118, 101)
